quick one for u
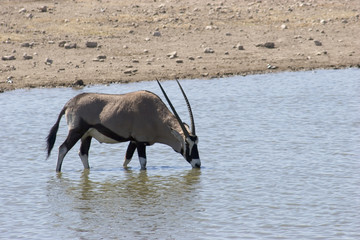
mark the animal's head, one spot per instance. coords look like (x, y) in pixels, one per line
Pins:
(190, 140)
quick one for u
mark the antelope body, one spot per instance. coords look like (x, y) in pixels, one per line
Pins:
(139, 117)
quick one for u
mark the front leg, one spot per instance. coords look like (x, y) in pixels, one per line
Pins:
(129, 153)
(141, 148)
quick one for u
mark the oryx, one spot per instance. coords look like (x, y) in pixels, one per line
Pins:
(139, 117)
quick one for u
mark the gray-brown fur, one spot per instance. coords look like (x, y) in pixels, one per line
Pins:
(140, 117)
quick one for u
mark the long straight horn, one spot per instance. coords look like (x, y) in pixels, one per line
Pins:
(189, 109)
(186, 133)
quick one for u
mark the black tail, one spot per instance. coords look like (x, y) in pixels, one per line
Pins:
(52, 134)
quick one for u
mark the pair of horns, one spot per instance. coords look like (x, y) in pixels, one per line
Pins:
(175, 113)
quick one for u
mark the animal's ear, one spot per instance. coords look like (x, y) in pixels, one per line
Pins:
(187, 127)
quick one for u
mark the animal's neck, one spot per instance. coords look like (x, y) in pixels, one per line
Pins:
(174, 138)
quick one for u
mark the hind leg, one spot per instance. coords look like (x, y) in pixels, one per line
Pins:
(73, 136)
(129, 153)
(141, 148)
(84, 151)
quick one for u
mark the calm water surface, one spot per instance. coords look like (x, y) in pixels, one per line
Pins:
(280, 156)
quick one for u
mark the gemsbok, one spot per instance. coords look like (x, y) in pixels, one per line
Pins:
(139, 117)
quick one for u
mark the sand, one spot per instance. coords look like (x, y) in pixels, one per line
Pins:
(82, 42)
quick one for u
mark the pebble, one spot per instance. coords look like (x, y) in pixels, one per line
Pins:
(48, 61)
(157, 34)
(266, 45)
(91, 44)
(269, 66)
(8, 58)
(26, 44)
(23, 10)
(43, 9)
(179, 61)
(62, 43)
(317, 43)
(27, 57)
(172, 55)
(269, 45)
(69, 45)
(78, 83)
(240, 47)
(208, 50)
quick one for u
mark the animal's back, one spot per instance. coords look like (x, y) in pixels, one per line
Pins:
(139, 115)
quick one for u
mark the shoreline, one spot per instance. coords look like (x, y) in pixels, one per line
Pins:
(81, 85)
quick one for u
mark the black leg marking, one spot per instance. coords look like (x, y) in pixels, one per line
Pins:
(141, 148)
(130, 150)
(72, 138)
(85, 146)
(129, 153)
(84, 151)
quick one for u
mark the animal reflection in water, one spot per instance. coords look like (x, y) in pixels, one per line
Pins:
(139, 117)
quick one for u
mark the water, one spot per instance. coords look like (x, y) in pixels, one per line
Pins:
(280, 156)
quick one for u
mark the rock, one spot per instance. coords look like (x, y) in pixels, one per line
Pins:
(283, 26)
(322, 21)
(179, 61)
(27, 57)
(30, 15)
(172, 55)
(157, 34)
(269, 66)
(43, 9)
(208, 50)
(26, 44)
(78, 83)
(91, 44)
(23, 10)
(69, 45)
(317, 43)
(9, 79)
(100, 58)
(48, 61)
(239, 47)
(8, 58)
(266, 45)
(269, 45)
(62, 43)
